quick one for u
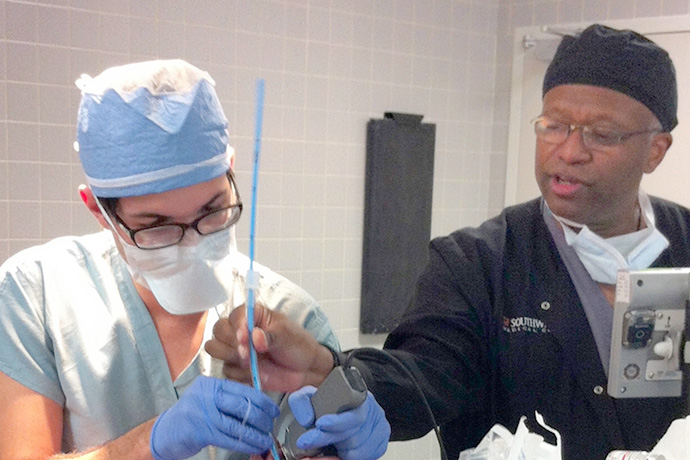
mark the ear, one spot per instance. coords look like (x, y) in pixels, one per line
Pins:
(90, 201)
(657, 151)
(231, 152)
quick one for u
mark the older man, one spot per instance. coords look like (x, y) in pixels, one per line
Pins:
(515, 316)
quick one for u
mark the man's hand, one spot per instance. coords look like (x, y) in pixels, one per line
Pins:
(288, 356)
(214, 412)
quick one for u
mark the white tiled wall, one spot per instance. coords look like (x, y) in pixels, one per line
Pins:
(329, 66)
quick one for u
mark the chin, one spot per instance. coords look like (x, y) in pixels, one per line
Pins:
(564, 209)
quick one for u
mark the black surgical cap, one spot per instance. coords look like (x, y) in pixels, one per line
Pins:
(621, 60)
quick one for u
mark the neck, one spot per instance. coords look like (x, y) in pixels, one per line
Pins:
(180, 335)
(622, 225)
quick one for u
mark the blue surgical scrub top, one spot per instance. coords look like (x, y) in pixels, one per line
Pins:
(74, 329)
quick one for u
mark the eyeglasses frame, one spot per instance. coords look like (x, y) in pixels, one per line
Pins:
(238, 204)
(622, 136)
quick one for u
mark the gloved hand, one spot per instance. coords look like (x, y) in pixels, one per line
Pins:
(214, 412)
(358, 434)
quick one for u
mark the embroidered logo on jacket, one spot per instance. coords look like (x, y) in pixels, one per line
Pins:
(524, 324)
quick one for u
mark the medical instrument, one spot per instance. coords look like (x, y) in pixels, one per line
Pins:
(648, 346)
(252, 276)
(343, 389)
(384, 354)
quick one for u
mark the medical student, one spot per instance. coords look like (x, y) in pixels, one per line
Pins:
(515, 316)
(101, 335)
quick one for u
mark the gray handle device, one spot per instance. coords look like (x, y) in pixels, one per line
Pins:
(344, 389)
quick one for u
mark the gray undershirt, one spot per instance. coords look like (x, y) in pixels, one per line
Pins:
(597, 308)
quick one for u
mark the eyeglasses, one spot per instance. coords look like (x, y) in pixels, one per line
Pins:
(593, 137)
(164, 235)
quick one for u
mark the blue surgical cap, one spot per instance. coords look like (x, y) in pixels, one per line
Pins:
(150, 127)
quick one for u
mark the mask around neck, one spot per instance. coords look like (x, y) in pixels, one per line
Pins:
(604, 257)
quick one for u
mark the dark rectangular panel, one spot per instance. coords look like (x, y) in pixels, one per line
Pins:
(397, 216)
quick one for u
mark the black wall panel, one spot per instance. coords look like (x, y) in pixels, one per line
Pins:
(397, 216)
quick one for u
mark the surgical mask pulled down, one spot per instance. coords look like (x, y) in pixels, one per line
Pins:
(603, 257)
(184, 278)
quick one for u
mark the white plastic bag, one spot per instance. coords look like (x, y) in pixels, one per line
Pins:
(500, 444)
(675, 444)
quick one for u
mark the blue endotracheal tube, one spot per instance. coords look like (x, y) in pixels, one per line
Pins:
(252, 276)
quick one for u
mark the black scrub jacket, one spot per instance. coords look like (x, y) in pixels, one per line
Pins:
(496, 330)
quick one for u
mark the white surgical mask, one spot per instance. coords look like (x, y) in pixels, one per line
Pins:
(185, 278)
(603, 257)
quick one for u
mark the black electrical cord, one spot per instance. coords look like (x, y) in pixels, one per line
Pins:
(408, 374)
